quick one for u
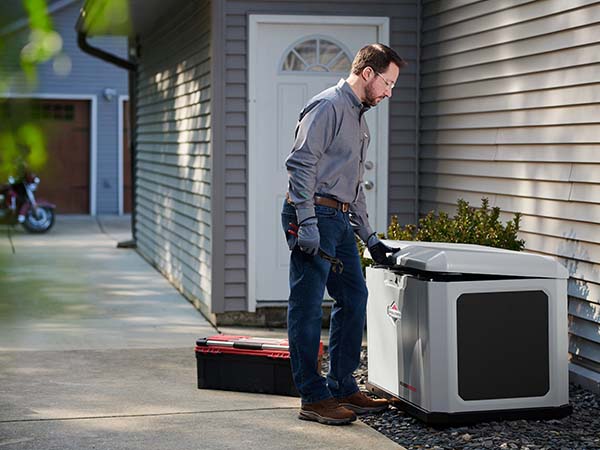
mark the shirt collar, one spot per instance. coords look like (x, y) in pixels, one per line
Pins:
(351, 96)
(349, 93)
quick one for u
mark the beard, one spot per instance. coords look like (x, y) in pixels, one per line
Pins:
(370, 98)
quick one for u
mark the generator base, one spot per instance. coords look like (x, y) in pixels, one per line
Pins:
(442, 419)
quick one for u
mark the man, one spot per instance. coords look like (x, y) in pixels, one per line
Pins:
(325, 207)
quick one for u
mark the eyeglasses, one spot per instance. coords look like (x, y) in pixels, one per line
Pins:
(389, 84)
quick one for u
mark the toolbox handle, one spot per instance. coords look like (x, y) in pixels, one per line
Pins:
(248, 345)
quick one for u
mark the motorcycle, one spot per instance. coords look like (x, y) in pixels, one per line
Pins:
(19, 205)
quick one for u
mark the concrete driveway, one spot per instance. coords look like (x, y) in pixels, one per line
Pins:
(96, 351)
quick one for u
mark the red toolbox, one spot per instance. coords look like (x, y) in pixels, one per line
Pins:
(246, 364)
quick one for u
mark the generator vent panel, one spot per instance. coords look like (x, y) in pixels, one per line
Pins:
(502, 340)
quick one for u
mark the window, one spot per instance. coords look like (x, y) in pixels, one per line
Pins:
(36, 110)
(55, 111)
(316, 54)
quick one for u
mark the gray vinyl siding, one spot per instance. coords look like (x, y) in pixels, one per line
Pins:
(402, 133)
(174, 150)
(510, 110)
(88, 76)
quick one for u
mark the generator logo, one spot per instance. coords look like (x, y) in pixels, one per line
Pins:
(393, 312)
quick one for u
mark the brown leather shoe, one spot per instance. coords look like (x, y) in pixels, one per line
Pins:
(327, 411)
(362, 404)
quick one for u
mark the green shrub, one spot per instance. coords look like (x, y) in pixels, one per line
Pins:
(469, 226)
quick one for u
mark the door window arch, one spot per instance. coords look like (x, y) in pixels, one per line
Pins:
(316, 54)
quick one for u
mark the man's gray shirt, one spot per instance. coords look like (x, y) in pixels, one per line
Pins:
(329, 154)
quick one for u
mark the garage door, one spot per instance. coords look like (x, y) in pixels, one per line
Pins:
(66, 176)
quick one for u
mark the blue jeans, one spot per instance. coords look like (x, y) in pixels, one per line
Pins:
(309, 275)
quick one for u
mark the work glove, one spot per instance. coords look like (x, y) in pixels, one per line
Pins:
(379, 251)
(308, 231)
(308, 236)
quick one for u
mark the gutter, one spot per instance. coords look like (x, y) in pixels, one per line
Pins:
(131, 67)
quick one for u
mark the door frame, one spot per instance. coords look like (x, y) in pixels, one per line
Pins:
(120, 122)
(254, 21)
(93, 99)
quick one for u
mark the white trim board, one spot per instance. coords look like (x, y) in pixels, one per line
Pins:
(383, 25)
(120, 122)
(93, 99)
(255, 19)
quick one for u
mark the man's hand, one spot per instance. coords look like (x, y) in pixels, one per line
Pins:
(308, 236)
(379, 251)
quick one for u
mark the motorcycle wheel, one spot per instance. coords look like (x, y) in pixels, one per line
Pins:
(40, 224)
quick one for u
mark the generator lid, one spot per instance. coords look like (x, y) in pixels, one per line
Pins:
(447, 258)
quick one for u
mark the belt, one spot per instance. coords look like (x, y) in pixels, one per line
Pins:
(326, 201)
(332, 203)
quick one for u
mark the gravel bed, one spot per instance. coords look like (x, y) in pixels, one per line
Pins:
(580, 430)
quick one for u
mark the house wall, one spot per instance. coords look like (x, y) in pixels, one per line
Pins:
(510, 103)
(174, 150)
(88, 76)
(403, 107)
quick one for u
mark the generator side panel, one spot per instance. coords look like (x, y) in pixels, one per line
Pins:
(382, 337)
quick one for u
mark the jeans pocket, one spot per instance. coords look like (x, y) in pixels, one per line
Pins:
(292, 241)
(286, 220)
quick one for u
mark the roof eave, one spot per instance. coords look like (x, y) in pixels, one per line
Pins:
(105, 18)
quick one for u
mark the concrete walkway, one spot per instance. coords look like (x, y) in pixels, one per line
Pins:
(96, 351)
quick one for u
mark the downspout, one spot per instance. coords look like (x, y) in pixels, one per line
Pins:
(418, 115)
(103, 55)
(131, 67)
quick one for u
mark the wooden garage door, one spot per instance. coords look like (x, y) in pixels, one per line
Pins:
(66, 176)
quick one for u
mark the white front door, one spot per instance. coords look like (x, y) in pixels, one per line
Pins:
(292, 58)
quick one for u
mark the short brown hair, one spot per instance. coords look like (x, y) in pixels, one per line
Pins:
(376, 56)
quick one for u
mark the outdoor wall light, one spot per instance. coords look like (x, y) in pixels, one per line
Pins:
(109, 93)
